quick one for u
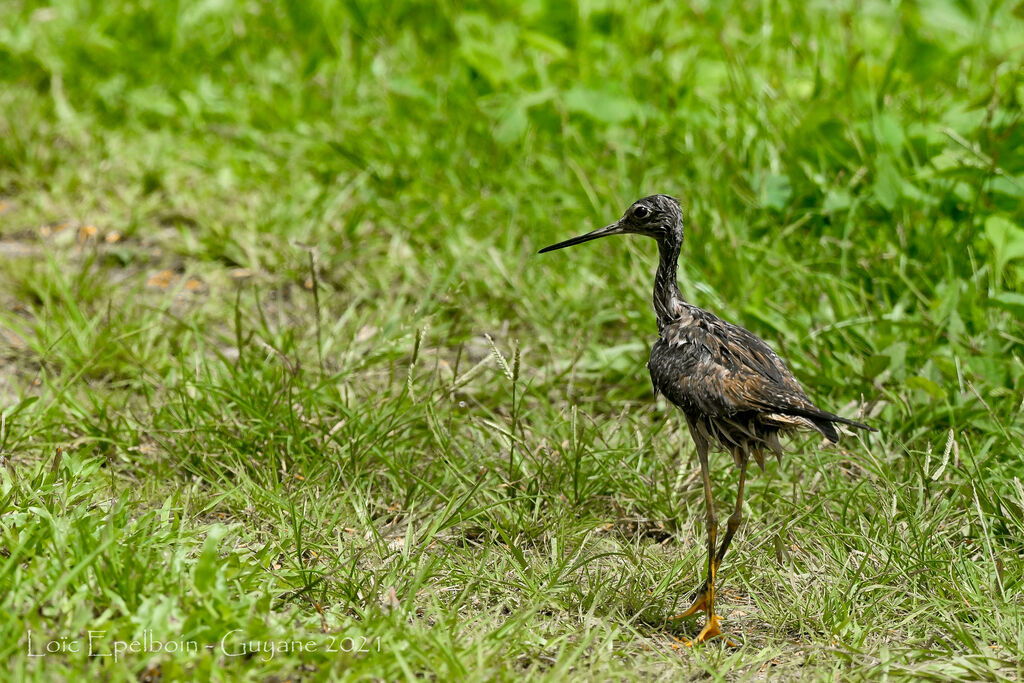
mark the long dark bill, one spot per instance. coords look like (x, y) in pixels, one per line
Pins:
(613, 229)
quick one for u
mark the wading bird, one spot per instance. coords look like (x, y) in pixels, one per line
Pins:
(735, 392)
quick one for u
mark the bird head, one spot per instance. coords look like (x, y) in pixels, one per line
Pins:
(658, 216)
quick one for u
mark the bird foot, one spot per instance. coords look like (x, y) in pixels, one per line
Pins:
(712, 629)
(712, 624)
(700, 603)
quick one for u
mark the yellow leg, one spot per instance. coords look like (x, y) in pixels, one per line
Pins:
(737, 514)
(704, 601)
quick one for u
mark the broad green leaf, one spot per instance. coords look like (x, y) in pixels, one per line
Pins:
(776, 191)
(1010, 301)
(890, 133)
(964, 121)
(926, 385)
(209, 558)
(875, 365)
(1009, 186)
(489, 48)
(1007, 241)
(897, 353)
(887, 183)
(602, 105)
(407, 87)
(511, 125)
(837, 200)
(545, 43)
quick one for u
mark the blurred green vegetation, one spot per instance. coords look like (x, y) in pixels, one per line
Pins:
(852, 175)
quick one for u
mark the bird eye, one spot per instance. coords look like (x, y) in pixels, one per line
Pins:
(641, 212)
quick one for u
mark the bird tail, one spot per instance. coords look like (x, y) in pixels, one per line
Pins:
(850, 423)
(827, 429)
(825, 422)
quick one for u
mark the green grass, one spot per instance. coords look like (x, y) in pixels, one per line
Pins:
(278, 359)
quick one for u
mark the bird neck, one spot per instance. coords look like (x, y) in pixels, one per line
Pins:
(668, 300)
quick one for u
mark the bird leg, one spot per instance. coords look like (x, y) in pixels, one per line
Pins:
(737, 515)
(704, 601)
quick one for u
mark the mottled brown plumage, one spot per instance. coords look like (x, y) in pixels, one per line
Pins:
(733, 389)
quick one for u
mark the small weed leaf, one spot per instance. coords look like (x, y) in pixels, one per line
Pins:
(1007, 241)
(206, 570)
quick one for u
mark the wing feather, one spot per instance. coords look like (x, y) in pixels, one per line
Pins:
(704, 364)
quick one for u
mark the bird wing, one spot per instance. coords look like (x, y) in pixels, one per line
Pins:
(705, 364)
